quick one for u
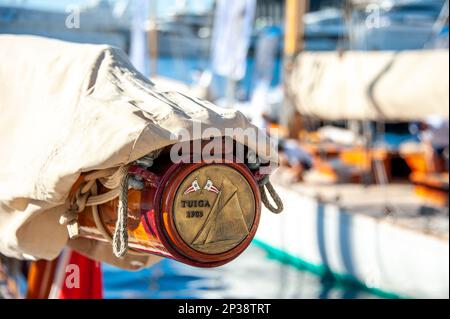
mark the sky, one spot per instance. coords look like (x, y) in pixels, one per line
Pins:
(60, 5)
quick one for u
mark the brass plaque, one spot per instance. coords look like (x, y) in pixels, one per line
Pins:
(214, 209)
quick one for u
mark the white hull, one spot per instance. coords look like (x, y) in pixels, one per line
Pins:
(377, 253)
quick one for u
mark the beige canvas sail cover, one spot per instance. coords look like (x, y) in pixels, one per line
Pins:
(66, 109)
(391, 86)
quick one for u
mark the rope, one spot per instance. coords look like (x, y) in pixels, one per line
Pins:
(97, 220)
(118, 181)
(120, 238)
(113, 180)
(99, 224)
(266, 184)
(86, 195)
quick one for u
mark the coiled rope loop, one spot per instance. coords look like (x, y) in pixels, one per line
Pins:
(266, 184)
(120, 238)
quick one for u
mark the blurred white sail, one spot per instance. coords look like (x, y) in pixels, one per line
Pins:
(371, 85)
(265, 58)
(138, 46)
(231, 37)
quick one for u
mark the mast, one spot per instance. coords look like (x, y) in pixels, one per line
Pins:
(293, 45)
(294, 26)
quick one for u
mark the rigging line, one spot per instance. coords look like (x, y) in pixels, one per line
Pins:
(442, 18)
(440, 23)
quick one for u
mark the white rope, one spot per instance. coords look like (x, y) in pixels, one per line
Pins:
(101, 227)
(86, 195)
(120, 238)
(117, 180)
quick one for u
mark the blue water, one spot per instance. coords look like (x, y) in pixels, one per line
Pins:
(251, 275)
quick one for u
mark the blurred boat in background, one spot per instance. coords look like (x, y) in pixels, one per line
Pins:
(389, 25)
(364, 209)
